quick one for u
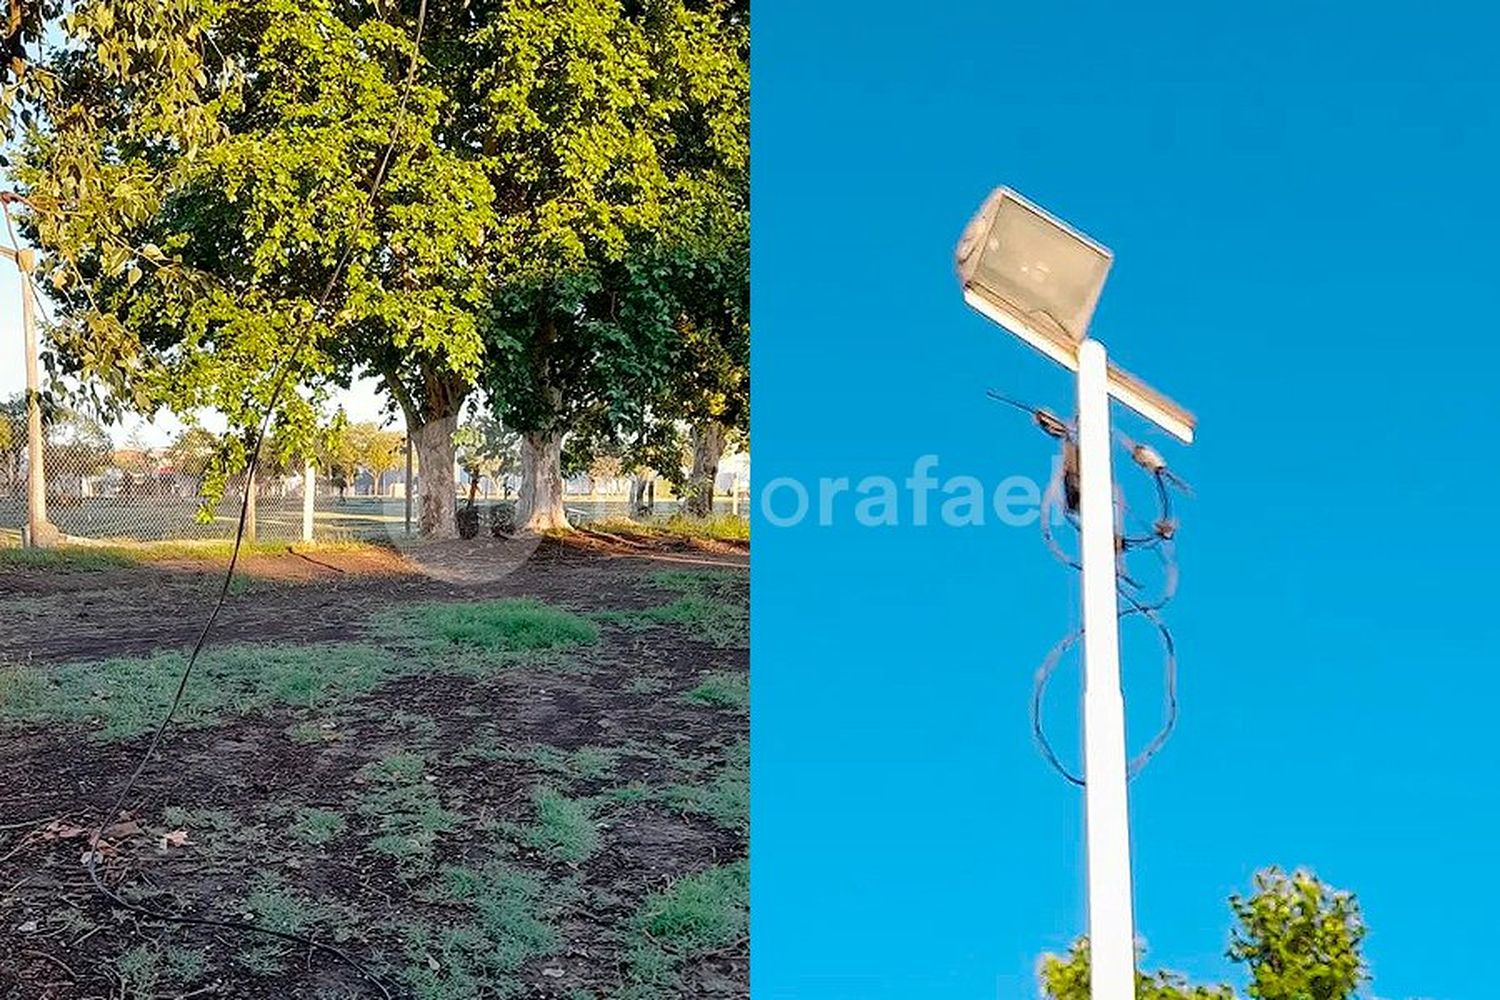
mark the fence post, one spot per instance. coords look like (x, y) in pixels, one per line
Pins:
(250, 499)
(39, 530)
(309, 493)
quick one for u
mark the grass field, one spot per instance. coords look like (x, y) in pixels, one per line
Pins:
(537, 787)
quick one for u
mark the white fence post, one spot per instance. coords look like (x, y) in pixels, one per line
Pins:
(309, 495)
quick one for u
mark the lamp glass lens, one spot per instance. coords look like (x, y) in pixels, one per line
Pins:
(1041, 270)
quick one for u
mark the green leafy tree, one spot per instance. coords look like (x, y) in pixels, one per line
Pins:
(135, 457)
(337, 451)
(76, 443)
(580, 335)
(1299, 938)
(715, 392)
(706, 281)
(375, 449)
(191, 452)
(486, 447)
(12, 439)
(202, 166)
(1066, 977)
(197, 181)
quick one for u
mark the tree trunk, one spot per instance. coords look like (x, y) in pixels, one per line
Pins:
(640, 504)
(708, 448)
(437, 487)
(539, 504)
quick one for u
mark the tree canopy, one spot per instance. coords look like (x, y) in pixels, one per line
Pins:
(197, 204)
(202, 167)
(1298, 938)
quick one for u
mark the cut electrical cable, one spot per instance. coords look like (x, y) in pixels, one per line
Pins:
(1060, 506)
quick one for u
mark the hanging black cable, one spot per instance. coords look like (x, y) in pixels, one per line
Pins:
(278, 383)
(1058, 501)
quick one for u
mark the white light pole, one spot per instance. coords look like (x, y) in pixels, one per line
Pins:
(1040, 279)
(1106, 814)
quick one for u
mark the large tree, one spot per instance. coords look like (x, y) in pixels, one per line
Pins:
(1298, 938)
(580, 335)
(203, 167)
(675, 391)
(706, 278)
(199, 178)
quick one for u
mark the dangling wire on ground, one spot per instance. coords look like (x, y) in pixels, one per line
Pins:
(1060, 498)
(278, 383)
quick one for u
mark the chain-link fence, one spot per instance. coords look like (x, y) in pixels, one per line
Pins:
(97, 491)
(139, 495)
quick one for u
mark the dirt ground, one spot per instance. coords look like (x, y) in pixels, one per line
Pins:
(618, 732)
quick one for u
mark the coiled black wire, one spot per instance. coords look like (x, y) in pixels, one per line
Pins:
(1159, 541)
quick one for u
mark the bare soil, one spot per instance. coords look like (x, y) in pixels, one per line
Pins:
(62, 941)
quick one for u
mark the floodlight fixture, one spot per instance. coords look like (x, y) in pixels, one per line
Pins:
(1040, 278)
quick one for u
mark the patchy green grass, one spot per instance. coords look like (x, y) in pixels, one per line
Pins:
(146, 970)
(564, 829)
(724, 798)
(114, 555)
(487, 884)
(711, 606)
(214, 820)
(316, 826)
(719, 527)
(313, 732)
(502, 927)
(273, 904)
(584, 764)
(406, 811)
(124, 697)
(645, 684)
(696, 915)
(80, 559)
(721, 691)
(507, 626)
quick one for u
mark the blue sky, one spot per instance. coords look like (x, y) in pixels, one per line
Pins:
(1300, 201)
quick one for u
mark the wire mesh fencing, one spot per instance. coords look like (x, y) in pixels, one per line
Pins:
(130, 494)
(100, 492)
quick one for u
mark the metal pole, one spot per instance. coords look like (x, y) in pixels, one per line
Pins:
(407, 491)
(309, 494)
(1106, 809)
(39, 531)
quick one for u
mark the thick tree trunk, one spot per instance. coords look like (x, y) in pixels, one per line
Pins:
(437, 492)
(708, 448)
(642, 495)
(539, 504)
